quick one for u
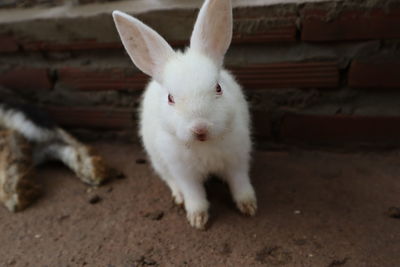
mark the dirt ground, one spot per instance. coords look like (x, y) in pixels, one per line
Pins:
(315, 209)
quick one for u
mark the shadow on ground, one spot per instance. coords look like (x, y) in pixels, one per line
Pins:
(315, 209)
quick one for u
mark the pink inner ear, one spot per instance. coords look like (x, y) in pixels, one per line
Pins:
(135, 44)
(147, 49)
(212, 32)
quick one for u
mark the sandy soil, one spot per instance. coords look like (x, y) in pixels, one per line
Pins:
(315, 209)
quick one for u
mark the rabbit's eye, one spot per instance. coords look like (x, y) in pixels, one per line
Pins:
(171, 99)
(218, 89)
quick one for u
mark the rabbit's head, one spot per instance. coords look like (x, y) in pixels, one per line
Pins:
(196, 103)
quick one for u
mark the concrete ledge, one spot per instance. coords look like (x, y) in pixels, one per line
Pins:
(94, 118)
(350, 25)
(133, 7)
(340, 129)
(278, 75)
(90, 26)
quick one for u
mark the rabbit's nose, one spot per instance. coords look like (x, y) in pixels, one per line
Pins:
(200, 132)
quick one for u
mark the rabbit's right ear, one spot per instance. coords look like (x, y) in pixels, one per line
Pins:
(212, 33)
(147, 49)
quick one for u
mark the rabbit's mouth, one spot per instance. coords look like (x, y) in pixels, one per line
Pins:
(201, 137)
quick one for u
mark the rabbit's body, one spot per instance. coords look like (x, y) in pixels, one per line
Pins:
(230, 148)
(194, 119)
(216, 156)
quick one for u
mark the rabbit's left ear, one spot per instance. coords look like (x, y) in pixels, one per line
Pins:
(212, 33)
(147, 49)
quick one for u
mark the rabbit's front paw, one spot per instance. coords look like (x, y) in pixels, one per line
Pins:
(247, 206)
(178, 198)
(198, 219)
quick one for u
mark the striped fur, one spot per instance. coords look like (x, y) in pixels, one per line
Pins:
(28, 138)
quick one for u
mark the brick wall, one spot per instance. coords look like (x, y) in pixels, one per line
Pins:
(46, 3)
(317, 73)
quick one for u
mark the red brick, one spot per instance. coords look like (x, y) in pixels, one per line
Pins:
(92, 117)
(82, 45)
(26, 79)
(374, 74)
(277, 75)
(8, 44)
(261, 124)
(350, 25)
(263, 26)
(340, 129)
(289, 75)
(278, 34)
(266, 36)
(111, 79)
(71, 46)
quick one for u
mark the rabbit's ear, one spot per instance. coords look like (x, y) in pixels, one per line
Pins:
(147, 49)
(212, 31)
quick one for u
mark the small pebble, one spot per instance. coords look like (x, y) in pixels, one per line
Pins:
(141, 161)
(338, 262)
(297, 212)
(94, 199)
(89, 190)
(143, 261)
(149, 262)
(155, 216)
(120, 175)
(116, 173)
(86, 62)
(63, 217)
(394, 212)
(226, 249)
(300, 242)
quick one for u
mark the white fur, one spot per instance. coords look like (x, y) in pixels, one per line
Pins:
(179, 158)
(147, 49)
(212, 31)
(47, 142)
(16, 120)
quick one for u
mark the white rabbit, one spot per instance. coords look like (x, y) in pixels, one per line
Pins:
(194, 118)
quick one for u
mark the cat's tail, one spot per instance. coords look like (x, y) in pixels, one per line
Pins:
(28, 121)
